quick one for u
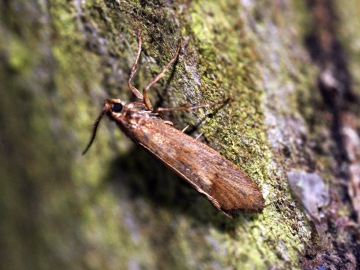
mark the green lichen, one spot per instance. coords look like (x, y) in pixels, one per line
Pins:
(19, 56)
(239, 130)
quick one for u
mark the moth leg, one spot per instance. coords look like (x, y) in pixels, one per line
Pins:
(185, 128)
(159, 76)
(168, 123)
(197, 137)
(134, 69)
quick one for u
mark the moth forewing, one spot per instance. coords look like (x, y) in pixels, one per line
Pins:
(219, 180)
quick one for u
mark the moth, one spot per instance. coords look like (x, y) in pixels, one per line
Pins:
(227, 187)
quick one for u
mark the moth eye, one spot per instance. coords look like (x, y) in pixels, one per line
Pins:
(117, 107)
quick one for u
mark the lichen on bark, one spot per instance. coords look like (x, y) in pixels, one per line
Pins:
(116, 207)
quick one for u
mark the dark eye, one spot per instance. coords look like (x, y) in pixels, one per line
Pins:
(117, 107)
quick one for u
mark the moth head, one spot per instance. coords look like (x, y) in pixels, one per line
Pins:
(111, 107)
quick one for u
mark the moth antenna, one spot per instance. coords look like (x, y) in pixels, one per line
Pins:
(94, 131)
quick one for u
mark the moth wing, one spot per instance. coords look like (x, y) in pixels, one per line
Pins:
(225, 185)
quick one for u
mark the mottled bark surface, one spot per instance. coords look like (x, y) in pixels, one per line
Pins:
(292, 69)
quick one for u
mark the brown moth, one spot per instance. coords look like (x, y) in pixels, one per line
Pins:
(227, 187)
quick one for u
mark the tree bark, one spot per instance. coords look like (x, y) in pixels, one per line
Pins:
(292, 125)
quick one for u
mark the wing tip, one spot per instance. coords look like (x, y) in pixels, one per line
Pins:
(254, 206)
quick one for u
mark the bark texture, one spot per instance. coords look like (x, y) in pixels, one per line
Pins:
(293, 71)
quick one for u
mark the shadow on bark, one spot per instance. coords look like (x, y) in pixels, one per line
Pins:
(139, 175)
